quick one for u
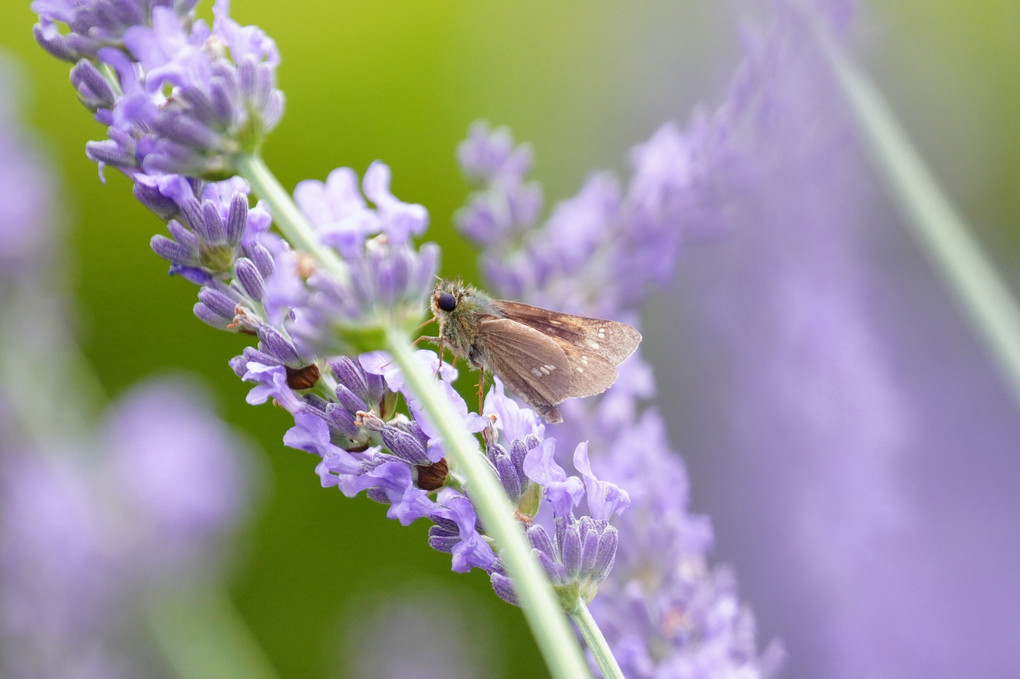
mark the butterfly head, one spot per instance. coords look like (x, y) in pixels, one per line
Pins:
(452, 299)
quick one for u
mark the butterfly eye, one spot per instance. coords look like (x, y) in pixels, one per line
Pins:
(446, 302)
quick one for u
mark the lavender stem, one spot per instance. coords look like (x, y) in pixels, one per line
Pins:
(541, 609)
(596, 642)
(936, 226)
(203, 635)
(545, 616)
(285, 213)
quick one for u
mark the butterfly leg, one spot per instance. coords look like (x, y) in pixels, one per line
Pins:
(481, 387)
(433, 340)
(439, 368)
(426, 338)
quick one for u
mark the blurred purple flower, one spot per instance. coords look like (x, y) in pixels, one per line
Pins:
(89, 529)
(665, 611)
(28, 212)
(181, 471)
(867, 465)
(599, 252)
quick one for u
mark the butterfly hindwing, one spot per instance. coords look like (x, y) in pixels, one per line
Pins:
(531, 364)
(590, 373)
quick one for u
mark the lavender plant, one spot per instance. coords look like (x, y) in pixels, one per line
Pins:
(664, 611)
(332, 304)
(186, 107)
(875, 397)
(102, 515)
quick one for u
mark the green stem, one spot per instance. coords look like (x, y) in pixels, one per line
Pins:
(286, 215)
(548, 623)
(936, 226)
(41, 366)
(202, 635)
(541, 609)
(596, 642)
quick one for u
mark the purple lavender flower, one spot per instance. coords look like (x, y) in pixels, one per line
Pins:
(869, 453)
(185, 100)
(60, 582)
(364, 445)
(158, 436)
(456, 531)
(603, 235)
(664, 611)
(388, 278)
(577, 552)
(95, 24)
(193, 98)
(209, 241)
(87, 528)
(510, 205)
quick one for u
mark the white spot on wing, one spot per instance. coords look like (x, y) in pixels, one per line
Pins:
(536, 372)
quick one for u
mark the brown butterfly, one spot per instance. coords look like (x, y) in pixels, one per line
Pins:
(542, 356)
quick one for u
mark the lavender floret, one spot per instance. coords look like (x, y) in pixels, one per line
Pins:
(93, 24)
(250, 279)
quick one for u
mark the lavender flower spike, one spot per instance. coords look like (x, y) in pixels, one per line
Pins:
(388, 277)
(187, 105)
(194, 98)
(94, 24)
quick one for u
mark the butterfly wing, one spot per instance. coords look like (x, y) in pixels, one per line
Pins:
(611, 340)
(590, 373)
(532, 365)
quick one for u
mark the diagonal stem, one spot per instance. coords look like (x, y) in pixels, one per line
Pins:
(538, 601)
(596, 642)
(939, 230)
(547, 619)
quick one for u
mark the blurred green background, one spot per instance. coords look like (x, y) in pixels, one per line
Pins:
(401, 82)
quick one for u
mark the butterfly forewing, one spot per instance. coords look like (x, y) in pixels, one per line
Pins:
(611, 340)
